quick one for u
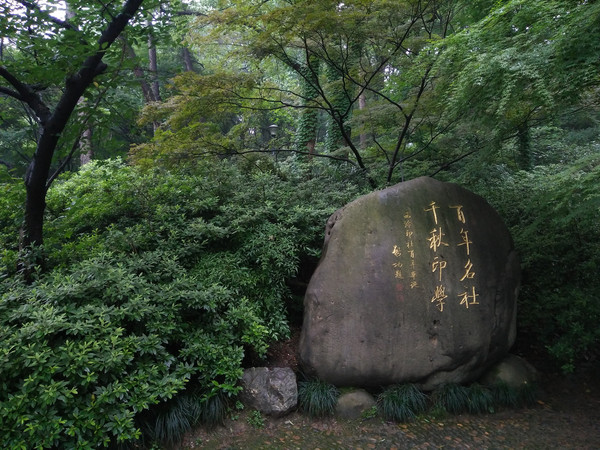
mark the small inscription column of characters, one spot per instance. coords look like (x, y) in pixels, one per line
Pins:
(469, 296)
(408, 249)
(436, 241)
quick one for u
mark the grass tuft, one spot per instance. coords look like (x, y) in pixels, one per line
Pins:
(481, 399)
(452, 398)
(317, 398)
(168, 422)
(401, 403)
(505, 395)
(212, 411)
(527, 394)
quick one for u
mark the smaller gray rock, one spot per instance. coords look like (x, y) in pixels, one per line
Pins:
(272, 391)
(351, 405)
(512, 370)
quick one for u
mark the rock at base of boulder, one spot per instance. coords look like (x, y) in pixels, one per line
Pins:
(352, 405)
(512, 370)
(272, 391)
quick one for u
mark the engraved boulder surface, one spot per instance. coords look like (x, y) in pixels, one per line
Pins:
(417, 283)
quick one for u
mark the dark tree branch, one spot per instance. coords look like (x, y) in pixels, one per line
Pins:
(10, 93)
(405, 129)
(26, 94)
(54, 20)
(64, 162)
(6, 163)
(455, 160)
(235, 152)
(106, 10)
(189, 12)
(446, 165)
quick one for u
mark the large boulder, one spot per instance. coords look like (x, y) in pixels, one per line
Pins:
(417, 283)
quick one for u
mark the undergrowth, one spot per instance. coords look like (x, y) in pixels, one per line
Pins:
(401, 403)
(317, 398)
(405, 402)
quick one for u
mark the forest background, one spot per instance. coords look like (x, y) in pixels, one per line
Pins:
(167, 167)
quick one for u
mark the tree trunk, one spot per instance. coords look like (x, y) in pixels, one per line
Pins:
(153, 67)
(147, 91)
(87, 151)
(53, 123)
(39, 170)
(308, 123)
(338, 130)
(362, 104)
(188, 61)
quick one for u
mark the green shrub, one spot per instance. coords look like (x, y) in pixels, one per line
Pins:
(317, 398)
(553, 213)
(12, 199)
(401, 403)
(157, 285)
(83, 352)
(370, 413)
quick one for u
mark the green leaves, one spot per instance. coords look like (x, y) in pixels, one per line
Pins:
(516, 67)
(553, 213)
(158, 283)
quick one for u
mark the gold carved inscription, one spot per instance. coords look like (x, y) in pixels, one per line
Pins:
(465, 240)
(433, 209)
(438, 265)
(410, 248)
(436, 239)
(407, 251)
(404, 263)
(460, 214)
(468, 271)
(469, 299)
(439, 296)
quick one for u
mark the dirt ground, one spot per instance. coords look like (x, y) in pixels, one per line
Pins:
(566, 416)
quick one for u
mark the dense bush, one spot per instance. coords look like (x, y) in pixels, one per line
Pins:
(12, 197)
(158, 284)
(553, 212)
